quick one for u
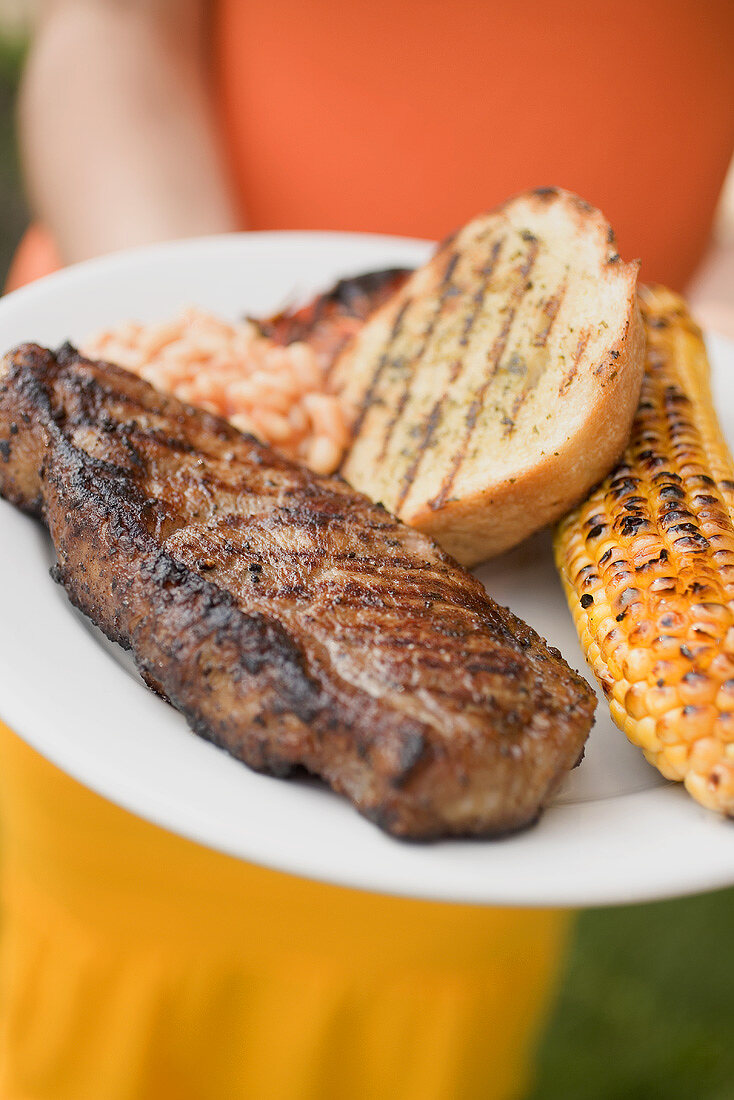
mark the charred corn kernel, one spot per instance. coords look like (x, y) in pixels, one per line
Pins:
(647, 563)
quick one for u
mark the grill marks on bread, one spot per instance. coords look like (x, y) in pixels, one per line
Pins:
(432, 423)
(291, 621)
(447, 290)
(476, 406)
(407, 420)
(489, 368)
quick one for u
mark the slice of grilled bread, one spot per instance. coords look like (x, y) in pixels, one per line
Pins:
(499, 384)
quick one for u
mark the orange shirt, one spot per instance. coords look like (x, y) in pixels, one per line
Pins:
(409, 118)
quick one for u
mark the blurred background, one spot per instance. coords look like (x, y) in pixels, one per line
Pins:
(645, 1007)
(15, 23)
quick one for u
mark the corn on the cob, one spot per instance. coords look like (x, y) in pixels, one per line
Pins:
(647, 563)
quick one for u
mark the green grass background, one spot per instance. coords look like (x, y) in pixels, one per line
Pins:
(645, 1009)
(13, 211)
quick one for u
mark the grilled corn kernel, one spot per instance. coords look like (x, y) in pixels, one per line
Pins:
(647, 564)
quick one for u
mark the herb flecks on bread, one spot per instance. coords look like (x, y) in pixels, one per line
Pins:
(499, 385)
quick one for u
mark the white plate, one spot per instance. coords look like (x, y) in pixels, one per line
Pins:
(616, 833)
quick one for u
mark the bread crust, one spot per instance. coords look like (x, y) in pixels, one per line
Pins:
(523, 477)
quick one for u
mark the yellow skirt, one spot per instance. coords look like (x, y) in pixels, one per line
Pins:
(136, 965)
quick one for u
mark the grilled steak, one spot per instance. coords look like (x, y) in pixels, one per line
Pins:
(290, 620)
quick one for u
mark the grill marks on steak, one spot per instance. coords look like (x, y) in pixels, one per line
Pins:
(293, 622)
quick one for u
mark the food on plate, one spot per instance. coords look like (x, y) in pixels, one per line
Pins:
(499, 384)
(647, 563)
(290, 620)
(267, 377)
(278, 393)
(332, 319)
